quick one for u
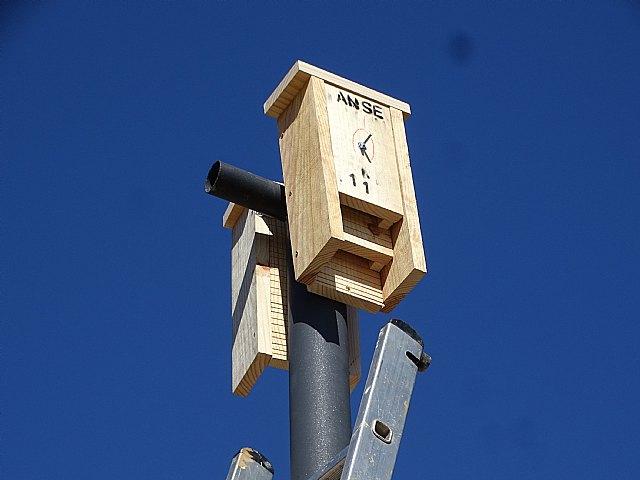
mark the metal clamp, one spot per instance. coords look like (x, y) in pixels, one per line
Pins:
(249, 464)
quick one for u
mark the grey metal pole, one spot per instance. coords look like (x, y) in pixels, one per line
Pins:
(319, 410)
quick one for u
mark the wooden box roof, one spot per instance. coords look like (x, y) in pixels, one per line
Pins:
(298, 76)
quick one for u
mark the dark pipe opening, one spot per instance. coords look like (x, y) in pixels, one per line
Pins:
(247, 189)
(212, 176)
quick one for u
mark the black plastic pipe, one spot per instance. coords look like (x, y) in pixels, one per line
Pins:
(247, 189)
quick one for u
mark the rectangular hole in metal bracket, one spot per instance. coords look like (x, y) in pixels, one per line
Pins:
(413, 358)
(382, 431)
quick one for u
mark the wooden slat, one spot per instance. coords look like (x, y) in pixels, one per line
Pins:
(300, 73)
(251, 330)
(409, 264)
(387, 217)
(371, 251)
(262, 357)
(231, 215)
(263, 287)
(313, 205)
(278, 302)
(348, 279)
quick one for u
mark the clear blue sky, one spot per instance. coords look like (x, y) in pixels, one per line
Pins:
(525, 146)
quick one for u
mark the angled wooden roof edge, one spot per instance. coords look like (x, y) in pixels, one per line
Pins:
(298, 75)
(232, 214)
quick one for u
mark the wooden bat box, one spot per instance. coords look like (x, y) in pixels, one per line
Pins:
(353, 218)
(259, 300)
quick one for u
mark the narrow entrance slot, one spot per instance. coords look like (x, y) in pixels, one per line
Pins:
(365, 238)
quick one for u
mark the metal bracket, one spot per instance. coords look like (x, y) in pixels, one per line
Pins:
(249, 464)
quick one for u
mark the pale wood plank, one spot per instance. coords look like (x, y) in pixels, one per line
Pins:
(293, 78)
(300, 72)
(231, 215)
(366, 249)
(251, 346)
(387, 217)
(278, 292)
(313, 205)
(348, 279)
(409, 264)
(263, 288)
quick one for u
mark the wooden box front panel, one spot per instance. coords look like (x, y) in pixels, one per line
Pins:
(367, 178)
